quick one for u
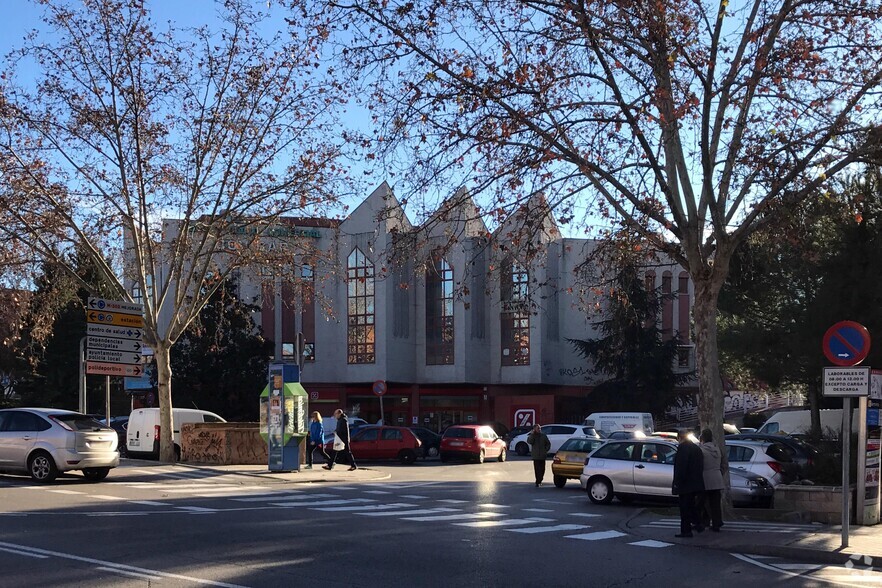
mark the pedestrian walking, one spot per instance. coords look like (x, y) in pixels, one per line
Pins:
(688, 483)
(539, 448)
(342, 437)
(315, 440)
(713, 480)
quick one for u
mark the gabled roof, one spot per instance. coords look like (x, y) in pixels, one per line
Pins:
(457, 216)
(380, 210)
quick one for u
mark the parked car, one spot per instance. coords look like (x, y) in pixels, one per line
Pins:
(609, 422)
(770, 460)
(626, 435)
(382, 442)
(329, 425)
(471, 442)
(515, 432)
(430, 439)
(44, 442)
(570, 458)
(143, 429)
(557, 434)
(802, 453)
(629, 469)
(120, 424)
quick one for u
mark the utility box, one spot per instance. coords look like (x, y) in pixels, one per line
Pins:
(283, 417)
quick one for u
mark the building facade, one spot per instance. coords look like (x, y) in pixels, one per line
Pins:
(457, 325)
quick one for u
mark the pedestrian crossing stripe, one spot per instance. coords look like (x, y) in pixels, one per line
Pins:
(651, 543)
(504, 522)
(364, 507)
(739, 527)
(285, 496)
(549, 529)
(454, 517)
(407, 512)
(323, 502)
(596, 536)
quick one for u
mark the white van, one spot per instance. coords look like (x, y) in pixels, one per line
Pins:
(799, 422)
(142, 434)
(610, 422)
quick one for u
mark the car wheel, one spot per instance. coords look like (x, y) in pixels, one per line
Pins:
(503, 454)
(42, 467)
(600, 490)
(481, 456)
(407, 456)
(445, 458)
(522, 449)
(432, 452)
(95, 474)
(560, 481)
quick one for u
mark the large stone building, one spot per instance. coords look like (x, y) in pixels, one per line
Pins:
(460, 325)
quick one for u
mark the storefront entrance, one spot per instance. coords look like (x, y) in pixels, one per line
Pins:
(439, 412)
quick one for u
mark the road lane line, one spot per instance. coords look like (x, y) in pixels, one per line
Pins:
(551, 529)
(406, 512)
(149, 577)
(150, 503)
(455, 517)
(105, 497)
(117, 566)
(596, 536)
(65, 492)
(25, 553)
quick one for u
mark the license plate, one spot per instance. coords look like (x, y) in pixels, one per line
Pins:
(135, 442)
(456, 443)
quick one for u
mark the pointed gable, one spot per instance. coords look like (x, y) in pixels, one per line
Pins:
(457, 217)
(381, 211)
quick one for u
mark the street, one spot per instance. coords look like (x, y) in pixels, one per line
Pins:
(425, 525)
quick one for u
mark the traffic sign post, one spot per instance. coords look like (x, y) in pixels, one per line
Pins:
(379, 389)
(846, 344)
(113, 342)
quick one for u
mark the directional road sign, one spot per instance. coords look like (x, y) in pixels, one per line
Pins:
(117, 306)
(107, 356)
(115, 332)
(846, 343)
(117, 319)
(111, 344)
(113, 369)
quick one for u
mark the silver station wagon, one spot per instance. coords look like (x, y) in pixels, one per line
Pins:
(45, 441)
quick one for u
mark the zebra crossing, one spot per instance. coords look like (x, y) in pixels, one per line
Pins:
(740, 526)
(855, 572)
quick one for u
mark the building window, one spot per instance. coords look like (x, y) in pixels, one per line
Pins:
(515, 315)
(360, 308)
(439, 313)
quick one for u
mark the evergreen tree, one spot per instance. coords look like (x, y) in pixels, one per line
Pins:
(632, 352)
(220, 363)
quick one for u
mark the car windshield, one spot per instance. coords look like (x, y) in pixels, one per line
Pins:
(459, 433)
(79, 422)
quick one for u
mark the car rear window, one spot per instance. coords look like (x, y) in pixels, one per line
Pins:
(780, 452)
(616, 451)
(460, 433)
(586, 445)
(79, 422)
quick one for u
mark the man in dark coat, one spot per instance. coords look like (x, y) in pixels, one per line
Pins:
(342, 432)
(688, 483)
(539, 448)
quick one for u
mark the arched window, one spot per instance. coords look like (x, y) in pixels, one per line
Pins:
(361, 334)
(514, 320)
(439, 313)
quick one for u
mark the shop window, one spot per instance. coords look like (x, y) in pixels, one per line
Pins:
(515, 315)
(439, 313)
(361, 335)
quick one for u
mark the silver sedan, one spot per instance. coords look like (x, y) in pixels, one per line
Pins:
(44, 442)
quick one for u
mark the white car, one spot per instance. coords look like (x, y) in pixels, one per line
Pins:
(768, 459)
(557, 434)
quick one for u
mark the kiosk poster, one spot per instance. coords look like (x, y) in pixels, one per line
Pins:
(275, 420)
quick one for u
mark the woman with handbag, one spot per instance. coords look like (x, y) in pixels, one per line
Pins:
(341, 441)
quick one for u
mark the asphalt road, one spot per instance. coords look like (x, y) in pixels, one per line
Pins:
(451, 525)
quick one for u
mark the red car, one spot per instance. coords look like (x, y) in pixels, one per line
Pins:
(472, 442)
(379, 442)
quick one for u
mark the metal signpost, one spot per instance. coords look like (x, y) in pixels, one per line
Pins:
(846, 343)
(113, 342)
(380, 389)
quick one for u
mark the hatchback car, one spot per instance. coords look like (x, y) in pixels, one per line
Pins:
(803, 454)
(430, 439)
(471, 442)
(570, 458)
(645, 468)
(770, 460)
(44, 442)
(557, 434)
(380, 442)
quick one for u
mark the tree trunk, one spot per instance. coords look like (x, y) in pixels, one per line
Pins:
(166, 416)
(710, 384)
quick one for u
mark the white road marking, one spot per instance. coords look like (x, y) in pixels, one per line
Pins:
(584, 514)
(116, 566)
(197, 509)
(537, 509)
(152, 577)
(596, 536)
(491, 505)
(285, 496)
(804, 567)
(377, 492)
(452, 501)
(25, 553)
(406, 512)
(651, 543)
(221, 489)
(504, 522)
(105, 497)
(149, 503)
(455, 517)
(365, 507)
(323, 502)
(414, 496)
(65, 492)
(551, 529)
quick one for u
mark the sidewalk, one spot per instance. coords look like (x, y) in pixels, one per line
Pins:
(815, 542)
(340, 473)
